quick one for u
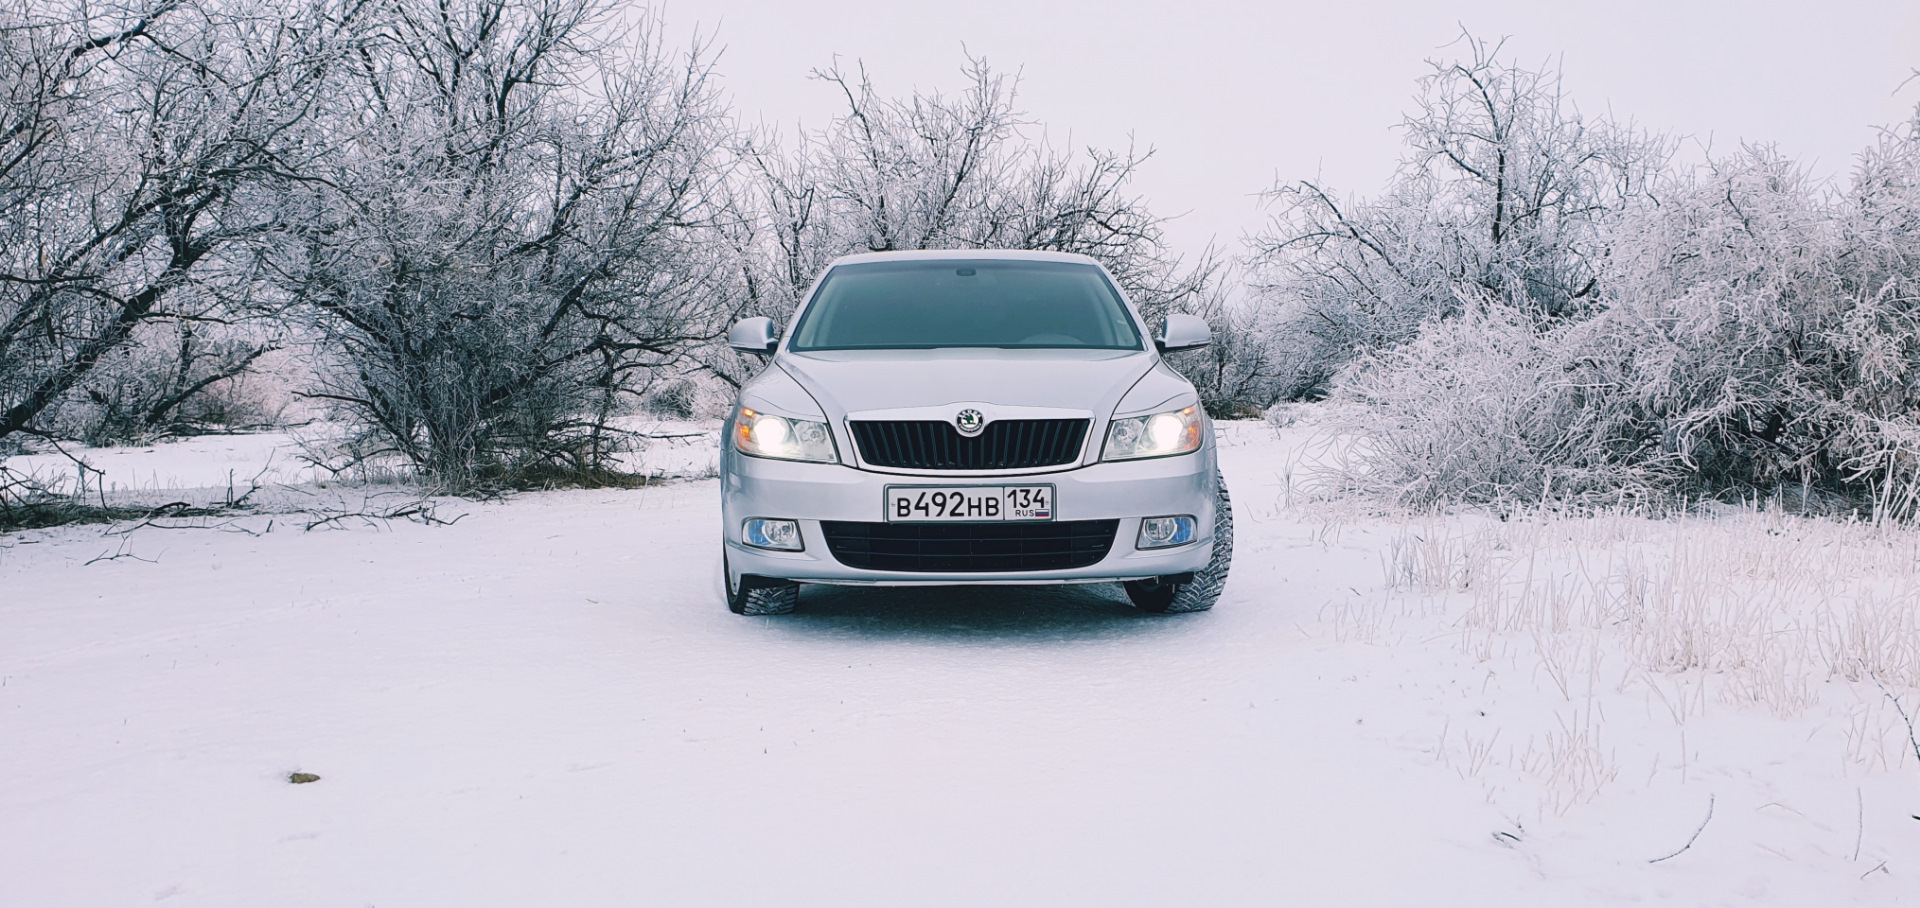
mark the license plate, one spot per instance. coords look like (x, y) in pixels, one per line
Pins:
(940, 504)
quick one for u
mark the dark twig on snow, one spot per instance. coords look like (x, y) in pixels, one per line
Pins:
(123, 552)
(178, 510)
(253, 485)
(1913, 734)
(1691, 839)
(1859, 821)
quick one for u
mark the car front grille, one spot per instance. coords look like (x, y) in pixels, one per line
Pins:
(1006, 444)
(970, 547)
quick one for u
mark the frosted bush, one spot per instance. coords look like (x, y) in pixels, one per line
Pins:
(1481, 408)
(1737, 330)
(1756, 337)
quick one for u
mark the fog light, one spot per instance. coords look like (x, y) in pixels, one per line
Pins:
(762, 533)
(1161, 532)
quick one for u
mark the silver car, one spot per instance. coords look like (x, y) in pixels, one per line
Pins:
(971, 417)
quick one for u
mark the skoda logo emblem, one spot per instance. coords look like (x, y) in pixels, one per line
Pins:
(969, 421)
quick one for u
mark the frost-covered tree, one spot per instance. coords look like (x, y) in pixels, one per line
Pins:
(1878, 341)
(1768, 329)
(1503, 193)
(1759, 334)
(140, 143)
(515, 225)
(945, 171)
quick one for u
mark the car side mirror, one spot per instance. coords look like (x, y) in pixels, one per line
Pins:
(753, 335)
(1184, 332)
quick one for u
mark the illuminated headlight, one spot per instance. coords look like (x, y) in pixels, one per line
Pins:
(767, 435)
(762, 533)
(1162, 532)
(1159, 435)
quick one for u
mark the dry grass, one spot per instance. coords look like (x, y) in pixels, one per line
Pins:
(1770, 601)
(1741, 607)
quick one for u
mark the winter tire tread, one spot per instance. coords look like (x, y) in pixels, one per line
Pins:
(760, 595)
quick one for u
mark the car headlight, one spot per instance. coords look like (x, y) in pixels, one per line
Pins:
(1159, 435)
(767, 435)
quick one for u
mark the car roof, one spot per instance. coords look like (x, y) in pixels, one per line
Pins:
(1020, 255)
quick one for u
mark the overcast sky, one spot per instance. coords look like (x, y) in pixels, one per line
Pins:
(1236, 95)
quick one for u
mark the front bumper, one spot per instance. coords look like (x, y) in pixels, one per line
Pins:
(810, 493)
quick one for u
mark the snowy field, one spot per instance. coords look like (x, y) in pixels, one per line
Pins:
(214, 468)
(546, 703)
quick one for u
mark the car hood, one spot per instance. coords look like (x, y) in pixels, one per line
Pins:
(862, 381)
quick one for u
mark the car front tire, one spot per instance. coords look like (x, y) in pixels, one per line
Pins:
(756, 595)
(1198, 591)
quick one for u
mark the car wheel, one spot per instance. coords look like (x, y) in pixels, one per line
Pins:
(1195, 592)
(756, 595)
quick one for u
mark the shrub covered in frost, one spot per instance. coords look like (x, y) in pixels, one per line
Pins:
(1482, 408)
(1753, 334)
(1541, 305)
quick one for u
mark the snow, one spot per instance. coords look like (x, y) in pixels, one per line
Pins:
(208, 469)
(204, 462)
(546, 702)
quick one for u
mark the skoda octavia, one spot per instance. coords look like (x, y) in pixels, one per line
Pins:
(970, 417)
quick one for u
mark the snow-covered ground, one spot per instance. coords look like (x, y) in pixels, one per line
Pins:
(277, 471)
(546, 702)
(204, 462)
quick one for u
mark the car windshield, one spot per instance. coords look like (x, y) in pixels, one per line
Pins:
(918, 305)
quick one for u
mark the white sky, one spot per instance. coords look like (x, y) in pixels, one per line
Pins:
(1236, 94)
